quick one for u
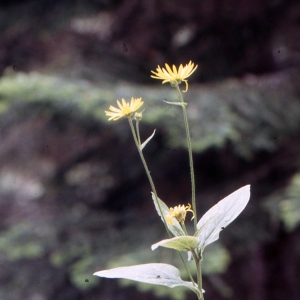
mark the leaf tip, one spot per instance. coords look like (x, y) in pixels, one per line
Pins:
(247, 186)
(154, 246)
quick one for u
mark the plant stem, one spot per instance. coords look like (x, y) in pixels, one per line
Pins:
(189, 144)
(199, 278)
(184, 229)
(138, 144)
(138, 132)
(199, 273)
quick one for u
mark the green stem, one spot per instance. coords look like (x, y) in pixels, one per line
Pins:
(189, 144)
(138, 131)
(199, 273)
(138, 144)
(184, 229)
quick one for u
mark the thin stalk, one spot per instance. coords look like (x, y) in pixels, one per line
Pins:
(184, 229)
(138, 132)
(189, 144)
(138, 143)
(199, 273)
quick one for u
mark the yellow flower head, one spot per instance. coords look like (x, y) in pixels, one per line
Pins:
(125, 109)
(178, 212)
(173, 75)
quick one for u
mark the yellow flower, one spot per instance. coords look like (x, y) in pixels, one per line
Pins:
(178, 212)
(125, 109)
(175, 76)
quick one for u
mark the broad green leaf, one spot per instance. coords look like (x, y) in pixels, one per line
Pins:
(175, 228)
(220, 215)
(160, 274)
(180, 243)
(147, 140)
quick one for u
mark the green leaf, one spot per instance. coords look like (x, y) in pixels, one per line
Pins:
(147, 140)
(176, 103)
(156, 273)
(175, 228)
(220, 215)
(180, 243)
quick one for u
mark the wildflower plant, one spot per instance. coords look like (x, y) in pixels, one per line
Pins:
(206, 230)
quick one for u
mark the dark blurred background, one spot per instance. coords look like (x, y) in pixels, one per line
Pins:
(74, 198)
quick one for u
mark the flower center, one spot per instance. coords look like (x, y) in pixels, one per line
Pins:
(126, 111)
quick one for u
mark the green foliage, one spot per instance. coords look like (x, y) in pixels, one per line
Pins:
(35, 87)
(67, 253)
(216, 260)
(21, 241)
(80, 273)
(237, 119)
(285, 204)
(289, 206)
(180, 243)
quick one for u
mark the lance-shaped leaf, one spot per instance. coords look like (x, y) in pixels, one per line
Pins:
(176, 103)
(220, 215)
(147, 140)
(180, 243)
(175, 228)
(161, 274)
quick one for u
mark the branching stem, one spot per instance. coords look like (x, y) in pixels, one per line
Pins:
(137, 140)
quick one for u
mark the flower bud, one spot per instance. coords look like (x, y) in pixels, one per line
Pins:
(138, 116)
